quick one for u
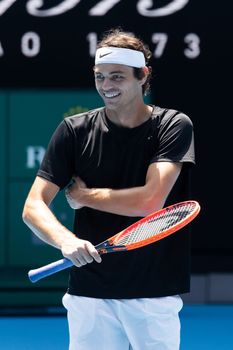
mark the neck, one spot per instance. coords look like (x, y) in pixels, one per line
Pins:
(130, 117)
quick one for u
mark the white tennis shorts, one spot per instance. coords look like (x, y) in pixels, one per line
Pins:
(123, 324)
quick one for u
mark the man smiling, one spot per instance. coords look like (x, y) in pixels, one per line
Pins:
(126, 159)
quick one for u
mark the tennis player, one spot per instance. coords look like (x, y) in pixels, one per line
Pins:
(126, 159)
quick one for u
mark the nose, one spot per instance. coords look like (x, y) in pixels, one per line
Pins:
(107, 84)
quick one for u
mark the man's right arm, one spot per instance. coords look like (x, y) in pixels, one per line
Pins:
(40, 219)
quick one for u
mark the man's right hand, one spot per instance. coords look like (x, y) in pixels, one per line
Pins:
(80, 252)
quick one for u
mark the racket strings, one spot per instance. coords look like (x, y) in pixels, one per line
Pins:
(157, 224)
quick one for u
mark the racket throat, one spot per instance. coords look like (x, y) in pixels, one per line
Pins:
(108, 247)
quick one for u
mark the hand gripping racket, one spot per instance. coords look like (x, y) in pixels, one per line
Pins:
(150, 229)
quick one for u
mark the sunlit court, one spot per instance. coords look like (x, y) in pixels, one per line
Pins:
(203, 327)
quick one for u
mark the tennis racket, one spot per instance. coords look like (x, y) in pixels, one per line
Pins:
(150, 229)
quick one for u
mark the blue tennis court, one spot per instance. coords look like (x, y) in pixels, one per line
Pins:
(204, 327)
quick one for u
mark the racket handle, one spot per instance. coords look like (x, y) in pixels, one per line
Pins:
(47, 270)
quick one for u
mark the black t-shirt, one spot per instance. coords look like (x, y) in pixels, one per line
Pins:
(106, 155)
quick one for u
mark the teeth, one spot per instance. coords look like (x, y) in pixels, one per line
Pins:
(106, 94)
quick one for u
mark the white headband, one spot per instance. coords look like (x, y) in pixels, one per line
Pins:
(118, 55)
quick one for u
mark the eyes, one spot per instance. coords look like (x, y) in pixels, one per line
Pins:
(113, 77)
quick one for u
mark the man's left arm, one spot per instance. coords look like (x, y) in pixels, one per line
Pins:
(136, 201)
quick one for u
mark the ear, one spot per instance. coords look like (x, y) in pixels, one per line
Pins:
(146, 72)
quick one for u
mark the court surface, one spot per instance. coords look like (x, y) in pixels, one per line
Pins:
(208, 327)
